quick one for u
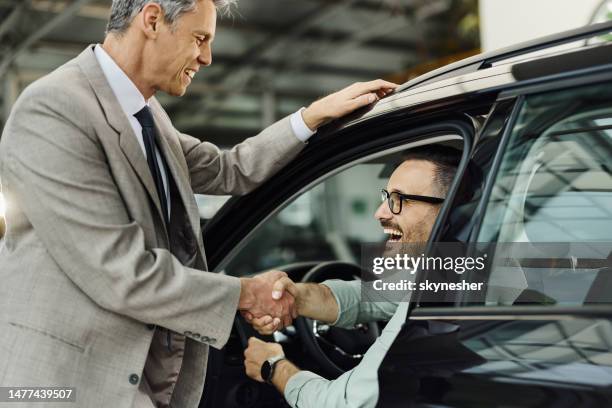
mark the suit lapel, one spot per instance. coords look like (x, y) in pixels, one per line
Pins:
(118, 121)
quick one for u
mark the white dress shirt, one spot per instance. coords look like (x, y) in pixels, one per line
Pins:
(132, 101)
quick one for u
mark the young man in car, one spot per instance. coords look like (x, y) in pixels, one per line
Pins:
(427, 172)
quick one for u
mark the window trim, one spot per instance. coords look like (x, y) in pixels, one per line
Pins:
(535, 312)
(499, 156)
(466, 154)
(572, 79)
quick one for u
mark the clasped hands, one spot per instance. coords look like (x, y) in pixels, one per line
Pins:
(268, 301)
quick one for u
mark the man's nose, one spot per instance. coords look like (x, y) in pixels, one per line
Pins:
(383, 212)
(205, 57)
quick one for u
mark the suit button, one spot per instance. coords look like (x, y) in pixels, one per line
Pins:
(134, 379)
(151, 326)
(212, 341)
(188, 333)
(196, 335)
(205, 339)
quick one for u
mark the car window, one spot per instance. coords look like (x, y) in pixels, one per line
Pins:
(328, 222)
(331, 220)
(552, 198)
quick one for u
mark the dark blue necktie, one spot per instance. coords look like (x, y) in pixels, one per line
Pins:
(145, 118)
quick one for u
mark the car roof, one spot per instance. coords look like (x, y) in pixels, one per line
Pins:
(486, 60)
(489, 71)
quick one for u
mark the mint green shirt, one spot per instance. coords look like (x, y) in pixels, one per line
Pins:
(359, 386)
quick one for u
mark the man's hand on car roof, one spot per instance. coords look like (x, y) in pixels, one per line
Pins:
(346, 101)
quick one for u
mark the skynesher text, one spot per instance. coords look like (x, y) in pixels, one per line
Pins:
(427, 285)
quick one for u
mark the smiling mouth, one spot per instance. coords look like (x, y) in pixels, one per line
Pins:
(395, 235)
(190, 74)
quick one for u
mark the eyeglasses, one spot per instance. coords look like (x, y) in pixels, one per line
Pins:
(395, 199)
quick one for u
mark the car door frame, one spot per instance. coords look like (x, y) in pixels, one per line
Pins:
(493, 316)
(325, 156)
(308, 170)
(517, 92)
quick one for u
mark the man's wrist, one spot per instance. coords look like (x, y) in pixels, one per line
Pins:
(301, 300)
(283, 372)
(311, 118)
(246, 294)
(332, 307)
(316, 301)
(268, 368)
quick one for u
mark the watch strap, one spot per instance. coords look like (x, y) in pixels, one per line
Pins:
(272, 361)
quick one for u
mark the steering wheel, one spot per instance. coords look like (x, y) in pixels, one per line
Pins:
(335, 349)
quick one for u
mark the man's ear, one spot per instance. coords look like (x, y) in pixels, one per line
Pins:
(151, 17)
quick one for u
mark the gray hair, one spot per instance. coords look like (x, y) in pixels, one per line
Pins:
(124, 11)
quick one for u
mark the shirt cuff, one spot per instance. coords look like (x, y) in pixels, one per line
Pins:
(300, 129)
(294, 386)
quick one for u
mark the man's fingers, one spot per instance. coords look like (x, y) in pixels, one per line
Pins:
(282, 285)
(247, 316)
(253, 371)
(384, 92)
(294, 312)
(287, 321)
(361, 101)
(276, 323)
(254, 341)
(264, 325)
(371, 86)
(266, 330)
(379, 84)
(261, 321)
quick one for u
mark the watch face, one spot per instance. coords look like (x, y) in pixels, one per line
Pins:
(266, 370)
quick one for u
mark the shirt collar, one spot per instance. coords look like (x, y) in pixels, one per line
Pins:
(128, 95)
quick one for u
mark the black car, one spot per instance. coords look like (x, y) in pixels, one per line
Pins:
(534, 124)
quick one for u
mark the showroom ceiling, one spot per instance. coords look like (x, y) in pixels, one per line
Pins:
(269, 58)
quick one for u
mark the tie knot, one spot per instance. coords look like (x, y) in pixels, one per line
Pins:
(145, 118)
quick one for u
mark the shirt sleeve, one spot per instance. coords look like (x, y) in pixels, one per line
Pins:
(357, 388)
(352, 309)
(301, 130)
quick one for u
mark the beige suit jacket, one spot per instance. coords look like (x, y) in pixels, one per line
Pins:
(87, 264)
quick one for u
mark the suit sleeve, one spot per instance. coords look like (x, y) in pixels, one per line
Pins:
(58, 173)
(244, 167)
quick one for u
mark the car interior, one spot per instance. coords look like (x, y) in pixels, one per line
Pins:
(560, 253)
(317, 235)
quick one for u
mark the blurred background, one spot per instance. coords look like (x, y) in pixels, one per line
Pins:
(273, 56)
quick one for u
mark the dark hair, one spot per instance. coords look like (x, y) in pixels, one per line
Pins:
(446, 160)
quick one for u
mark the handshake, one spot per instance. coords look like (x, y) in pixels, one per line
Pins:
(270, 301)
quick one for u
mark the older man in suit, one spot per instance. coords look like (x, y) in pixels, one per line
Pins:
(103, 273)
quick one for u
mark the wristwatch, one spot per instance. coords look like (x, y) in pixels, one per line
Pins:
(267, 368)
